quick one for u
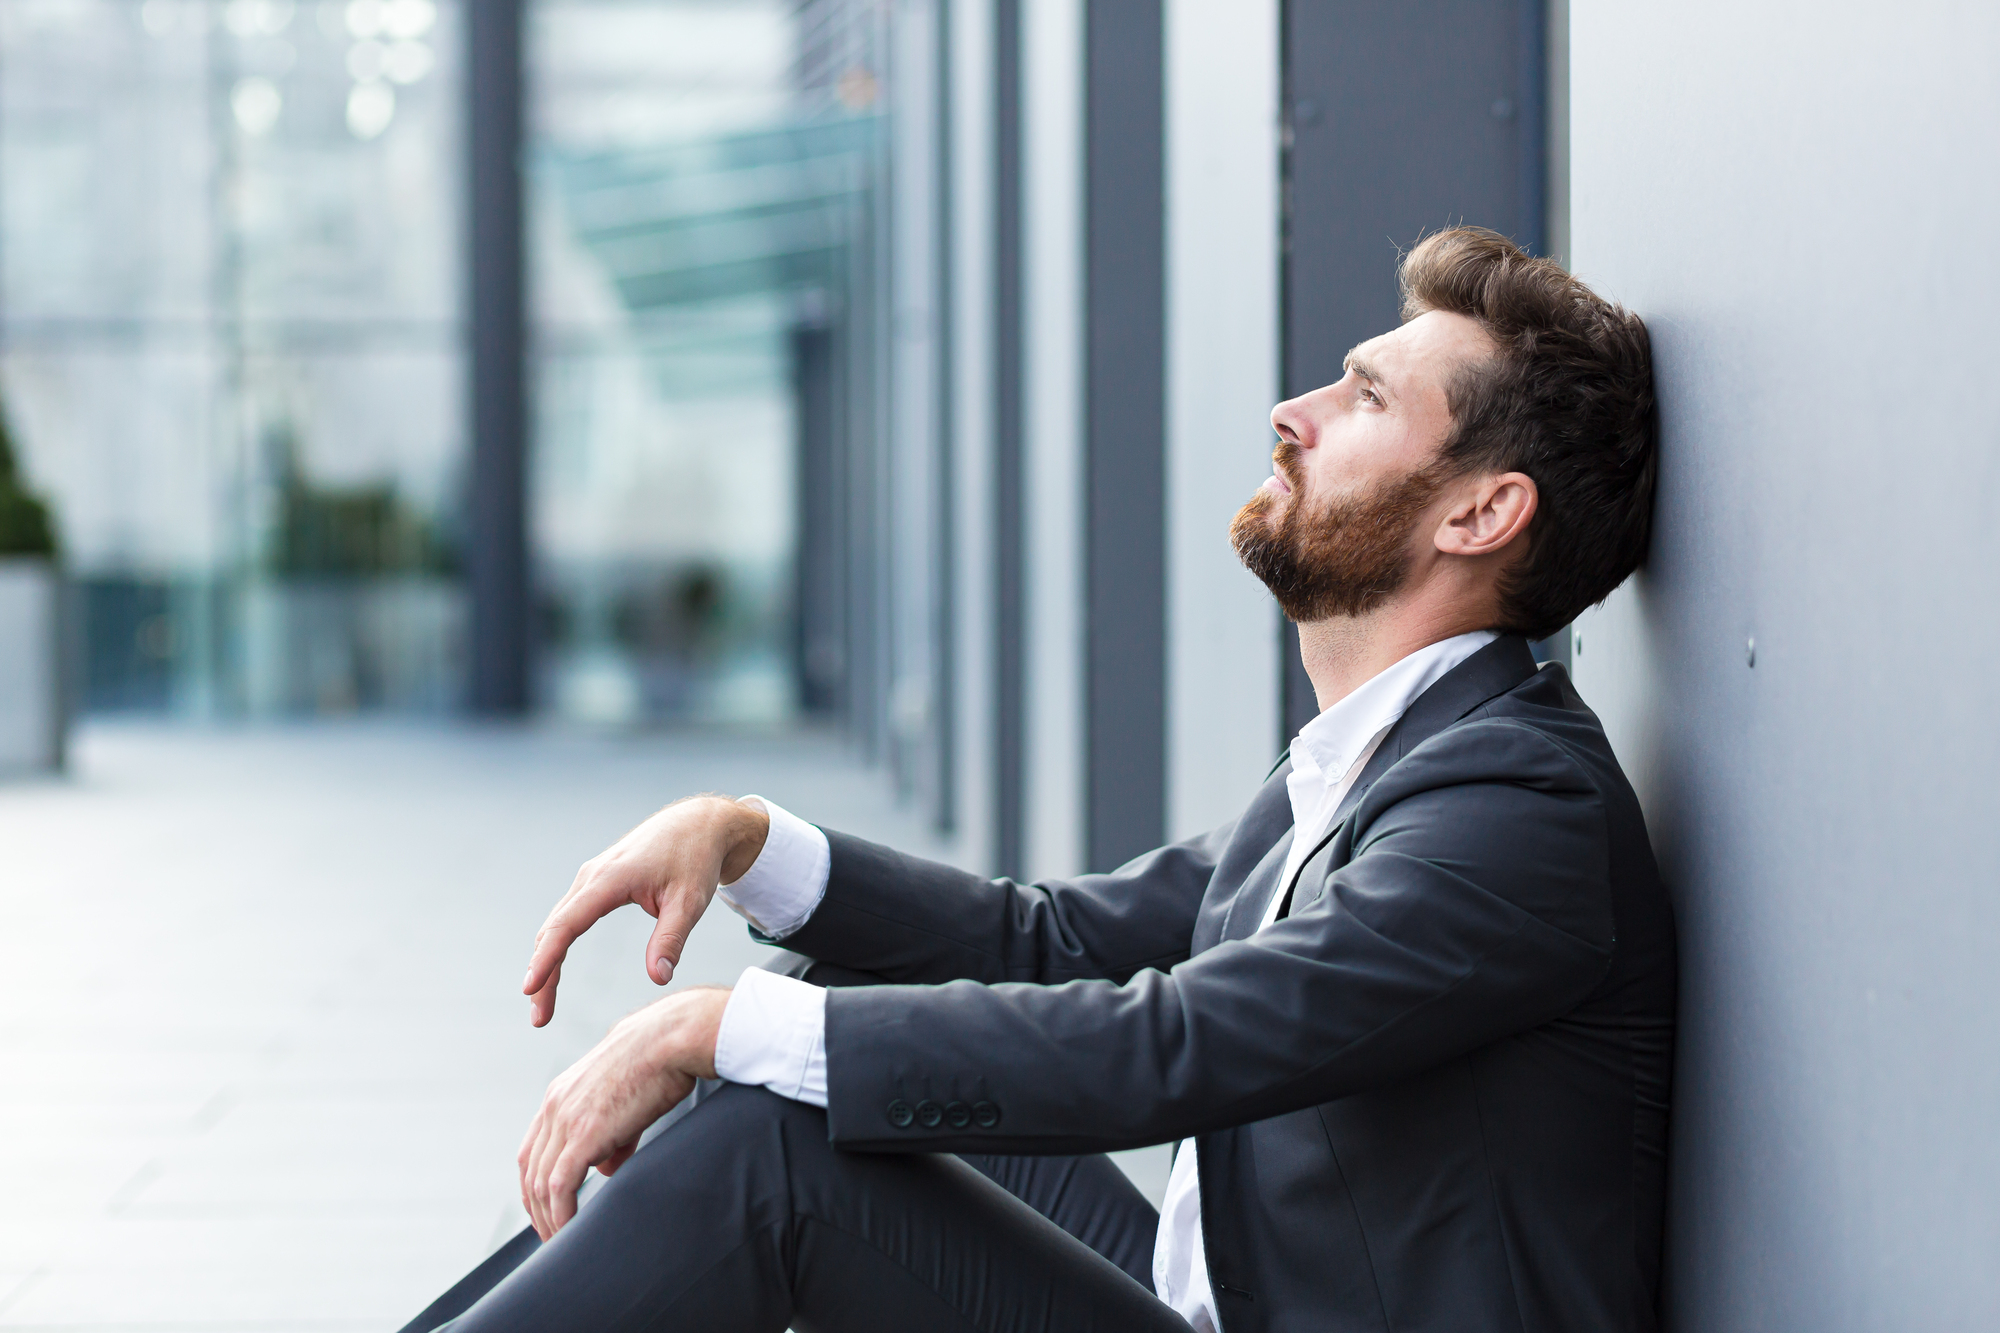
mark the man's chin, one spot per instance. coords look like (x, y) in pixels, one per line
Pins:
(1266, 506)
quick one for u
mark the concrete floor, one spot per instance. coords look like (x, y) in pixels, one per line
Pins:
(263, 1061)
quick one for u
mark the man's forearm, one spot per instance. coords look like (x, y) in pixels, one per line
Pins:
(910, 920)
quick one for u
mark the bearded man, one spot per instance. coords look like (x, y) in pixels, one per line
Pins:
(1408, 1018)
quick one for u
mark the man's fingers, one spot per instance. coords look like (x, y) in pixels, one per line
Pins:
(619, 1156)
(527, 1152)
(552, 943)
(542, 1005)
(678, 915)
(566, 1175)
(548, 1141)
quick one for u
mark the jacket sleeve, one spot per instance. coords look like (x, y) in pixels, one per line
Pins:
(910, 920)
(1476, 904)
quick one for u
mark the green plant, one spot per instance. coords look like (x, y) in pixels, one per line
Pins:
(25, 525)
(352, 531)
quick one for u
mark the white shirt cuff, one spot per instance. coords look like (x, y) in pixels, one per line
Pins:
(779, 891)
(773, 1035)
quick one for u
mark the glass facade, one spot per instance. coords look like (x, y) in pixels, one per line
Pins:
(234, 353)
(230, 341)
(698, 208)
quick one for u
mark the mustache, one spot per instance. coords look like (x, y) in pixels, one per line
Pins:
(1285, 458)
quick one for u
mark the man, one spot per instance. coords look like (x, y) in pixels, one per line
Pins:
(1409, 1018)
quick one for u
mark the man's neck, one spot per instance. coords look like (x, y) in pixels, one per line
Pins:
(1345, 653)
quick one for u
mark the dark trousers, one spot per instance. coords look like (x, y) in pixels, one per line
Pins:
(740, 1215)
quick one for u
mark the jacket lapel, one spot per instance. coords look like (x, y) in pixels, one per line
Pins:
(1492, 671)
(1246, 910)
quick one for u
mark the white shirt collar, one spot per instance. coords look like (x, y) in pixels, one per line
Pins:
(1328, 745)
(1327, 755)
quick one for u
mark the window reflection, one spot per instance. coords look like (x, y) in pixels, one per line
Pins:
(695, 209)
(229, 303)
(231, 346)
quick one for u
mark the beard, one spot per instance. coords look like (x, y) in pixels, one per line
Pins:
(1345, 557)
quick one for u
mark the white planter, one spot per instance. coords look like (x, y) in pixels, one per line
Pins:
(33, 718)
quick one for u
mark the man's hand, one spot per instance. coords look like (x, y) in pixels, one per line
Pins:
(595, 1112)
(670, 866)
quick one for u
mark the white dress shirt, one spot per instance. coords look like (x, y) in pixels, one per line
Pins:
(773, 1029)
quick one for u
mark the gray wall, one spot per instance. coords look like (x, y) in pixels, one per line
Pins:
(1801, 202)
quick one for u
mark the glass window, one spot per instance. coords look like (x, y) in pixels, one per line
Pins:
(693, 220)
(230, 341)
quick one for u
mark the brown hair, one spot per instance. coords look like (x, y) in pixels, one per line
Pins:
(1568, 401)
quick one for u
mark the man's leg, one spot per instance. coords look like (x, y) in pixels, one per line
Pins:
(743, 1217)
(1088, 1197)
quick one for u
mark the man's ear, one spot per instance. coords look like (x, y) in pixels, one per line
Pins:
(1490, 514)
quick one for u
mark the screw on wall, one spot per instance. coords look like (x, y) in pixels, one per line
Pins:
(1750, 652)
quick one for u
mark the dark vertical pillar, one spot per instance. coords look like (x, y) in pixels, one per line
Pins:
(817, 584)
(496, 538)
(944, 621)
(1448, 97)
(867, 347)
(1125, 694)
(1010, 655)
(1531, 125)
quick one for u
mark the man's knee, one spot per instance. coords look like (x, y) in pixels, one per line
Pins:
(749, 1112)
(733, 1142)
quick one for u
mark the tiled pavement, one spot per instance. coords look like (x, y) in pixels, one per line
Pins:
(263, 1065)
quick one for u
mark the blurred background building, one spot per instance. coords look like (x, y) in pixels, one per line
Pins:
(891, 369)
(891, 366)
(233, 343)
(236, 329)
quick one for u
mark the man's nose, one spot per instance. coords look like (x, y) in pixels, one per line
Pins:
(1290, 420)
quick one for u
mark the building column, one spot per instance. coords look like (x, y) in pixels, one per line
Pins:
(496, 527)
(1008, 452)
(1053, 550)
(1124, 520)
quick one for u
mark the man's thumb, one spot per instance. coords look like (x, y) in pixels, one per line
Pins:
(663, 952)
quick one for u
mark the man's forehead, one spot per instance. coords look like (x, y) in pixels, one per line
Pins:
(1377, 352)
(1385, 359)
(1420, 352)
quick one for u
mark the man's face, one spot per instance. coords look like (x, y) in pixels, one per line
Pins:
(1335, 530)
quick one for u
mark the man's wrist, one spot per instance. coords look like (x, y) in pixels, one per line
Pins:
(694, 1019)
(746, 829)
(683, 1031)
(781, 889)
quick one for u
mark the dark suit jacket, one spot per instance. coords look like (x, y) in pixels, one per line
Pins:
(1434, 1096)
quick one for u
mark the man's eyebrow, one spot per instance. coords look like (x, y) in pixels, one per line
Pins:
(1366, 372)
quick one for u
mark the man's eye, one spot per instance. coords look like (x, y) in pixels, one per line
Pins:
(1368, 395)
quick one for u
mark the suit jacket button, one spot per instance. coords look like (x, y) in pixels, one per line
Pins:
(957, 1114)
(900, 1114)
(985, 1114)
(929, 1114)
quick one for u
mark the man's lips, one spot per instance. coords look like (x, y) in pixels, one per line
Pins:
(1277, 483)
